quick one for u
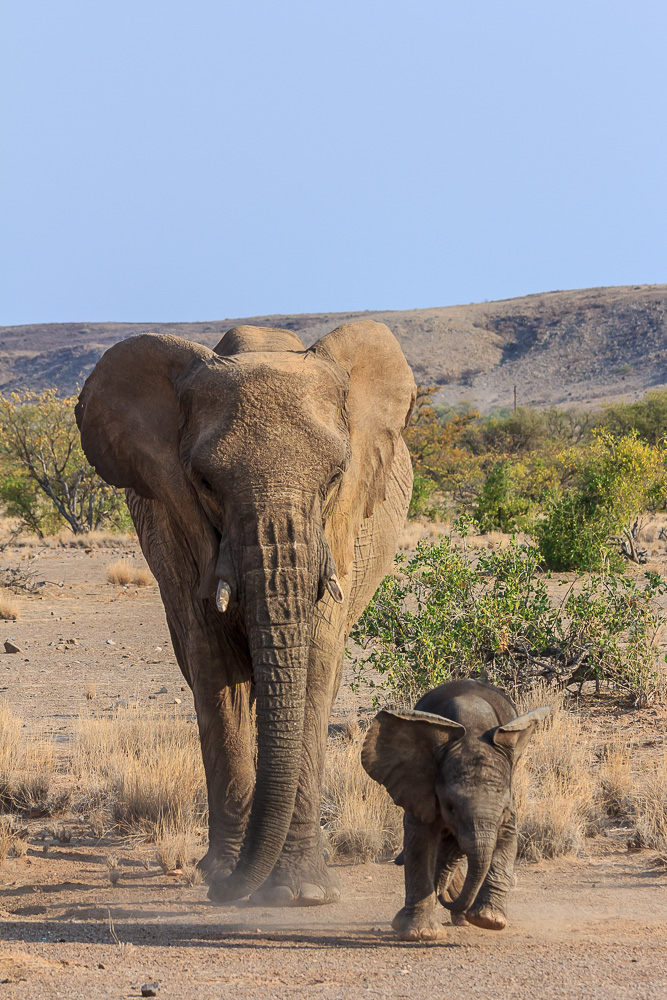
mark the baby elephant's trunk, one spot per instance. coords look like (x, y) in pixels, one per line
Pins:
(479, 862)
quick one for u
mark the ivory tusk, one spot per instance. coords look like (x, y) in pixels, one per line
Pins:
(333, 587)
(222, 595)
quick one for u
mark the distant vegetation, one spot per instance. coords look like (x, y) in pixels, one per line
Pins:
(45, 479)
(574, 480)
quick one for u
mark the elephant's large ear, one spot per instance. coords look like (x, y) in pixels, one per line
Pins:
(380, 399)
(241, 339)
(514, 736)
(130, 422)
(129, 415)
(399, 752)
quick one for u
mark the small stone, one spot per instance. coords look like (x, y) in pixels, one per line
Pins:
(150, 989)
(11, 647)
(158, 649)
(100, 965)
(110, 642)
(162, 690)
(177, 701)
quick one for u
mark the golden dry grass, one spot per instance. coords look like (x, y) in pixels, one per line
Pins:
(650, 807)
(143, 773)
(147, 771)
(122, 573)
(554, 784)
(27, 768)
(362, 822)
(177, 850)
(9, 605)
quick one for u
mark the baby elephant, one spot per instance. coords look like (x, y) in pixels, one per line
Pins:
(449, 764)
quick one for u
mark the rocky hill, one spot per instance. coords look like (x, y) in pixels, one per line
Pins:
(582, 347)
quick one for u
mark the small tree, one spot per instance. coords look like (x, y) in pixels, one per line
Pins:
(616, 480)
(45, 478)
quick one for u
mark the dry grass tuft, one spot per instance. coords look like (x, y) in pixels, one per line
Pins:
(9, 606)
(113, 870)
(27, 769)
(122, 573)
(148, 770)
(98, 539)
(650, 808)
(177, 850)
(554, 785)
(13, 838)
(362, 822)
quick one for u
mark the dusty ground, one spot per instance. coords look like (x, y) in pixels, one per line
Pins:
(589, 926)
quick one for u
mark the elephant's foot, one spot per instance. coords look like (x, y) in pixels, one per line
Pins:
(302, 883)
(219, 861)
(486, 917)
(411, 926)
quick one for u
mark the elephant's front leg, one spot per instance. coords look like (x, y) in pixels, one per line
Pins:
(490, 908)
(220, 680)
(301, 876)
(225, 730)
(419, 920)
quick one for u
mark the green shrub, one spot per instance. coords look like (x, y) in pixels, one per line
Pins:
(421, 502)
(501, 505)
(448, 615)
(616, 480)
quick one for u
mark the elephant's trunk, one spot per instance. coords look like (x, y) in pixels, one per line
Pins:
(479, 861)
(278, 591)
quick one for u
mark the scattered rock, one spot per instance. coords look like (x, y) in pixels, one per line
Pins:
(177, 701)
(11, 647)
(150, 989)
(162, 690)
(158, 649)
(110, 642)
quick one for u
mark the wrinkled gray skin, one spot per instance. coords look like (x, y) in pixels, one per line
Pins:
(268, 485)
(449, 764)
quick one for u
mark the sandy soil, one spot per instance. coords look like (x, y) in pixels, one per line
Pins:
(589, 926)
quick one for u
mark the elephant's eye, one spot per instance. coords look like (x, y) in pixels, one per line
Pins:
(205, 483)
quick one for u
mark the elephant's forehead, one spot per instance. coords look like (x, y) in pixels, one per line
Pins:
(297, 374)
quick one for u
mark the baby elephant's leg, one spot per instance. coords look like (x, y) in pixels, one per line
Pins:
(490, 908)
(419, 920)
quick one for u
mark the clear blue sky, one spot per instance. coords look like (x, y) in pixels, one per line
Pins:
(205, 159)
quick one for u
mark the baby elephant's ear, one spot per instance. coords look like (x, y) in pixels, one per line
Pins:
(399, 753)
(515, 735)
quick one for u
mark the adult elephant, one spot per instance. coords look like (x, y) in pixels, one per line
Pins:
(268, 484)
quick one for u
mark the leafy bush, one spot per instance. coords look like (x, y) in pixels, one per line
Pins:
(501, 505)
(616, 479)
(448, 615)
(421, 503)
(647, 418)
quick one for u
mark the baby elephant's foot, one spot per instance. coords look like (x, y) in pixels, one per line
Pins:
(488, 918)
(303, 884)
(411, 926)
